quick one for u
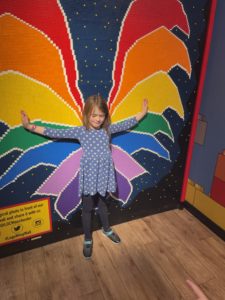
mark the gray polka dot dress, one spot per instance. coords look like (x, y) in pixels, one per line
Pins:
(97, 174)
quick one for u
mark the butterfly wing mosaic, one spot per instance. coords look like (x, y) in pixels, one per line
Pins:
(41, 74)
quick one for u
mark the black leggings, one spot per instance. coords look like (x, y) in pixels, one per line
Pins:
(90, 202)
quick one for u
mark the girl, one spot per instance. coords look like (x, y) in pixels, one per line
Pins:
(97, 175)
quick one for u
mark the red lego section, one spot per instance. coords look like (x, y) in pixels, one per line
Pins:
(218, 191)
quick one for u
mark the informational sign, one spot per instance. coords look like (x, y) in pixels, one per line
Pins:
(25, 220)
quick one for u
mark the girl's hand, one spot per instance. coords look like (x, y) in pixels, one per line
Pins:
(145, 107)
(25, 119)
(31, 127)
(141, 115)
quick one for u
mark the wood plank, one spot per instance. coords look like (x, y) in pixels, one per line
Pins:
(137, 232)
(35, 275)
(12, 279)
(201, 230)
(158, 227)
(107, 275)
(213, 261)
(59, 276)
(214, 289)
(171, 266)
(193, 263)
(81, 269)
(152, 276)
(218, 245)
(198, 247)
(96, 295)
(181, 229)
(201, 255)
(128, 272)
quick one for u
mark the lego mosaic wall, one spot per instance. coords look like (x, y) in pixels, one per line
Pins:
(56, 53)
(206, 186)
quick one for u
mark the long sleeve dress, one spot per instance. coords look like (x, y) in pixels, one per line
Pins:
(97, 173)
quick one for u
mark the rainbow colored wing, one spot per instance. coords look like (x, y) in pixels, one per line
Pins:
(49, 41)
(142, 66)
(63, 182)
(31, 68)
(143, 13)
(141, 70)
(50, 153)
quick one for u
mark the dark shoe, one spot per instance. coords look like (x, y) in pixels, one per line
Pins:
(87, 249)
(112, 236)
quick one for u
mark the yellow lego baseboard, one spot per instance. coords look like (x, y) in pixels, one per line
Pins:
(205, 204)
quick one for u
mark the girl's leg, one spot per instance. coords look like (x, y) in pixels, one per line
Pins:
(103, 212)
(88, 204)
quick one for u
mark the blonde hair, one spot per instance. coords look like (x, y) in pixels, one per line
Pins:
(100, 103)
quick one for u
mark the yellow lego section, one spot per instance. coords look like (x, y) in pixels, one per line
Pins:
(205, 204)
(190, 193)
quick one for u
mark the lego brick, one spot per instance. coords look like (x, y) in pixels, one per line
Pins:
(218, 191)
(190, 192)
(220, 167)
(211, 209)
(201, 130)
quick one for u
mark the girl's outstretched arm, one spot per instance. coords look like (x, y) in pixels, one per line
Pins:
(131, 122)
(70, 133)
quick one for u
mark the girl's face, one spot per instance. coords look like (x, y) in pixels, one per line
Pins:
(97, 118)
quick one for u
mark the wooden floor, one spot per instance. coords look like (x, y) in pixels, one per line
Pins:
(156, 256)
